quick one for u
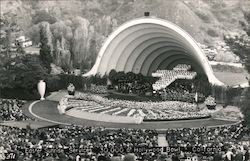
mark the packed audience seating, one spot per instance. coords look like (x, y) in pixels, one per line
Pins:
(72, 142)
(75, 143)
(136, 88)
(165, 110)
(169, 76)
(182, 67)
(214, 143)
(10, 110)
(177, 94)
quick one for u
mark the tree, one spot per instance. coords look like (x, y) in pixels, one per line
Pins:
(245, 109)
(45, 51)
(8, 42)
(28, 73)
(246, 26)
(120, 76)
(22, 76)
(247, 62)
(130, 76)
(202, 85)
(139, 77)
(34, 33)
(111, 75)
(6, 79)
(41, 16)
(245, 101)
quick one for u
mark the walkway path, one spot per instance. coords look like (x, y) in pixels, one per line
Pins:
(57, 96)
(32, 124)
(162, 142)
(239, 65)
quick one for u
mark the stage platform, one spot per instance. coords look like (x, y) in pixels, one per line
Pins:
(47, 111)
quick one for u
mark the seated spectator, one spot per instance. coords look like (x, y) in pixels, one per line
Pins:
(10, 109)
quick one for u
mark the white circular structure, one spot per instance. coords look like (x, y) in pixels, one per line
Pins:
(146, 44)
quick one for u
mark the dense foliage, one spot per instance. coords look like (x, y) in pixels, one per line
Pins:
(87, 23)
(98, 80)
(240, 44)
(245, 106)
(41, 16)
(19, 77)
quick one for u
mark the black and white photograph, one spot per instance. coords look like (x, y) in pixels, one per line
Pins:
(124, 80)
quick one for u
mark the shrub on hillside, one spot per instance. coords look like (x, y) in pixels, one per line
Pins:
(41, 16)
(240, 45)
(212, 33)
(53, 83)
(19, 93)
(65, 79)
(203, 16)
(59, 82)
(98, 79)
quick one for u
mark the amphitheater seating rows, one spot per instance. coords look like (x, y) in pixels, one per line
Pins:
(182, 67)
(10, 110)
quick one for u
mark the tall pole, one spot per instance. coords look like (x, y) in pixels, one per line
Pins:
(196, 100)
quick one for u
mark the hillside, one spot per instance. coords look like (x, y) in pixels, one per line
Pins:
(78, 28)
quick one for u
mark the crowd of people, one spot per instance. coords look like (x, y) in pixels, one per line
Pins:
(160, 86)
(65, 143)
(178, 94)
(76, 143)
(182, 67)
(10, 110)
(98, 89)
(169, 76)
(217, 144)
(173, 115)
(165, 110)
(134, 87)
(79, 143)
(167, 105)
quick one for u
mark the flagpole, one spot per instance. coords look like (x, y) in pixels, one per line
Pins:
(196, 100)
